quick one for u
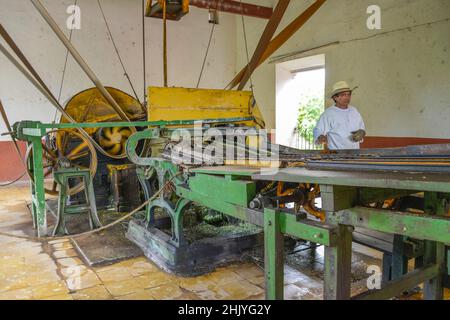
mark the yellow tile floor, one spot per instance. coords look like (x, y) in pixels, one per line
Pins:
(34, 270)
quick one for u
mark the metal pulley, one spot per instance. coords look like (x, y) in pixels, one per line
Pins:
(89, 106)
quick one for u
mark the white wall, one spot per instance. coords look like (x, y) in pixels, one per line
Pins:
(187, 41)
(402, 70)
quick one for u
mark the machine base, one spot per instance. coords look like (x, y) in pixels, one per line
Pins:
(200, 257)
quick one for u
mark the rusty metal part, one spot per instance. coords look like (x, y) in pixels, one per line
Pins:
(175, 9)
(313, 192)
(301, 195)
(237, 7)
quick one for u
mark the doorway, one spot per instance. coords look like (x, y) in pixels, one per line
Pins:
(300, 91)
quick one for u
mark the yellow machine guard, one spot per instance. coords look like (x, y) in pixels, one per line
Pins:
(200, 104)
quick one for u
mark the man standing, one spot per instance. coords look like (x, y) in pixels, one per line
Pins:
(340, 126)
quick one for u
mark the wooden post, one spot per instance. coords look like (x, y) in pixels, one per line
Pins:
(338, 258)
(273, 256)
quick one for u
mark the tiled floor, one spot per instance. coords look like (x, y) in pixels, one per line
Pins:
(34, 270)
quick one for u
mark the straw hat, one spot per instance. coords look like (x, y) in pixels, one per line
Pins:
(340, 87)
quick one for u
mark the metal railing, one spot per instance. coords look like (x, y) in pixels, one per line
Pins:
(305, 141)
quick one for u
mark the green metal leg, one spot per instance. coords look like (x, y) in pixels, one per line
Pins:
(39, 192)
(147, 189)
(273, 256)
(33, 205)
(32, 188)
(62, 177)
(94, 221)
(434, 251)
(177, 225)
(60, 228)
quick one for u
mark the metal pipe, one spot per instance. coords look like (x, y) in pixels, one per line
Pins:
(44, 13)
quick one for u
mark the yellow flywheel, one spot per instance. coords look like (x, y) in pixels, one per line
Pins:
(89, 106)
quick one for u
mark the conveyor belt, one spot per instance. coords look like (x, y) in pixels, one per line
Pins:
(426, 158)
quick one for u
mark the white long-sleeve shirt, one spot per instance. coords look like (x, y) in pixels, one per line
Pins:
(338, 124)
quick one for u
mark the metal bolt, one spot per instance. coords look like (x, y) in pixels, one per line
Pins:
(404, 229)
(317, 236)
(269, 223)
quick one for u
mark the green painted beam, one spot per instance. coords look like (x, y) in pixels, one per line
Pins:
(237, 192)
(213, 203)
(396, 287)
(422, 227)
(136, 123)
(29, 128)
(303, 229)
(235, 171)
(307, 229)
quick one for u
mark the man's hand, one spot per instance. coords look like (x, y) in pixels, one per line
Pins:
(322, 139)
(358, 135)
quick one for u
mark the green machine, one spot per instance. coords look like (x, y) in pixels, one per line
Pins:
(346, 195)
(260, 197)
